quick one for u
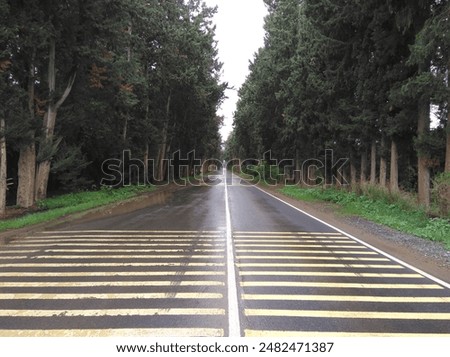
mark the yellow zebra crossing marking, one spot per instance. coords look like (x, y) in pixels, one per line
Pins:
(280, 285)
(350, 314)
(112, 312)
(120, 332)
(165, 274)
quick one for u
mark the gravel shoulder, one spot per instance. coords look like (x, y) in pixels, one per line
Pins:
(430, 257)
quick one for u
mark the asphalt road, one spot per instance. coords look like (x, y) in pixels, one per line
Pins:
(219, 260)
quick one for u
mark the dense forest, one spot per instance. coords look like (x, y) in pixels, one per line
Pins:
(366, 79)
(82, 81)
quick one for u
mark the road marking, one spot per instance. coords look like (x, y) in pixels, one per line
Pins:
(280, 240)
(290, 238)
(129, 265)
(329, 246)
(301, 257)
(335, 274)
(307, 257)
(117, 256)
(81, 296)
(347, 298)
(21, 275)
(112, 312)
(350, 314)
(324, 265)
(319, 334)
(399, 261)
(303, 284)
(234, 325)
(124, 244)
(302, 251)
(82, 284)
(247, 233)
(194, 233)
(106, 250)
(163, 332)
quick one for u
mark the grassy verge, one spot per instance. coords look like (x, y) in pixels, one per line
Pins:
(381, 207)
(53, 208)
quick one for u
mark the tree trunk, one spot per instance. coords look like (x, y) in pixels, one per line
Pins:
(146, 166)
(447, 154)
(353, 173)
(163, 148)
(373, 163)
(27, 175)
(298, 169)
(383, 163)
(423, 128)
(364, 167)
(43, 168)
(27, 156)
(3, 168)
(393, 180)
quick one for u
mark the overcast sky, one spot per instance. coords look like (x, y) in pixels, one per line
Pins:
(240, 33)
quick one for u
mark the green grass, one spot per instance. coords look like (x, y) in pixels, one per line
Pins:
(56, 207)
(379, 206)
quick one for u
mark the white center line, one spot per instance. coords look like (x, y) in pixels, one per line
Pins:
(234, 326)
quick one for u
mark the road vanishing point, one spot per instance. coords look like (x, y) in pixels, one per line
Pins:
(227, 259)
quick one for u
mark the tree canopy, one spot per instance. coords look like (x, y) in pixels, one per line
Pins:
(357, 77)
(83, 81)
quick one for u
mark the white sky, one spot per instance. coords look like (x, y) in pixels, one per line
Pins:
(239, 34)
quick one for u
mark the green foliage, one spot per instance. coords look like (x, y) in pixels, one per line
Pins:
(263, 173)
(146, 73)
(441, 193)
(381, 207)
(344, 75)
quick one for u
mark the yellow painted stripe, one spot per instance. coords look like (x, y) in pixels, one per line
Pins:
(118, 256)
(300, 252)
(324, 265)
(318, 334)
(109, 274)
(167, 332)
(51, 250)
(291, 233)
(347, 298)
(298, 237)
(321, 273)
(75, 241)
(78, 296)
(319, 241)
(165, 236)
(124, 244)
(301, 284)
(109, 283)
(112, 312)
(306, 257)
(350, 314)
(77, 265)
(4, 252)
(110, 231)
(340, 246)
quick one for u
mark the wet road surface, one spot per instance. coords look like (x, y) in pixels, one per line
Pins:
(219, 260)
